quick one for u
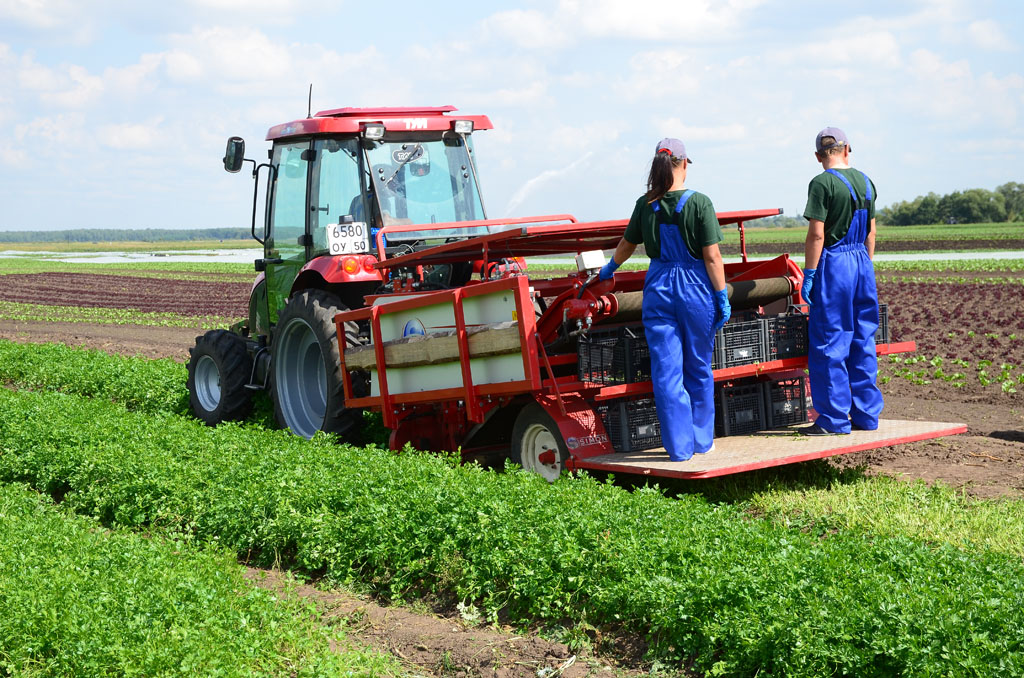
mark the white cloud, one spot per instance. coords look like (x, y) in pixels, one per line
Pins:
(12, 156)
(530, 29)
(544, 177)
(675, 127)
(676, 20)
(82, 89)
(663, 20)
(232, 54)
(37, 13)
(989, 35)
(660, 74)
(63, 130)
(132, 136)
(874, 48)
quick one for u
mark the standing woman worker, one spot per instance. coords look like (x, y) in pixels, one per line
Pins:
(685, 300)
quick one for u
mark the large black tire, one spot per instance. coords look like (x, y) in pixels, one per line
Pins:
(305, 369)
(218, 370)
(533, 433)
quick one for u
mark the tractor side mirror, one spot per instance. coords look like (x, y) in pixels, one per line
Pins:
(234, 154)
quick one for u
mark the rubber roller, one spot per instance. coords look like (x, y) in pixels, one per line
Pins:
(743, 294)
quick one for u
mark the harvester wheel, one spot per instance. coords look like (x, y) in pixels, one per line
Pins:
(305, 375)
(218, 370)
(537, 444)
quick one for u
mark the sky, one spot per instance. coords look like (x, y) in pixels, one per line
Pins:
(114, 114)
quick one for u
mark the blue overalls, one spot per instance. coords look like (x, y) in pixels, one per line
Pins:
(678, 313)
(843, 320)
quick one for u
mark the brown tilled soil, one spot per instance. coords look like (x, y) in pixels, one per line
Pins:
(184, 297)
(446, 646)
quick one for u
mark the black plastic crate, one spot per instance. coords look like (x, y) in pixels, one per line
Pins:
(786, 336)
(616, 355)
(739, 409)
(632, 425)
(741, 343)
(882, 335)
(785, 402)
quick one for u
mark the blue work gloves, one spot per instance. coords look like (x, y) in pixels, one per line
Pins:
(608, 271)
(805, 291)
(723, 309)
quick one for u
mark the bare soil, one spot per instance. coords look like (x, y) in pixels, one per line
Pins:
(445, 645)
(184, 297)
(127, 340)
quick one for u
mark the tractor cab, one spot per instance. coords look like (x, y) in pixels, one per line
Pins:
(333, 180)
(336, 178)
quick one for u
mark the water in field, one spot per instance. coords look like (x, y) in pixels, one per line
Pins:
(233, 256)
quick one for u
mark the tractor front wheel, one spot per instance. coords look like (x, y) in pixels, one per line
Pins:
(537, 443)
(306, 380)
(218, 370)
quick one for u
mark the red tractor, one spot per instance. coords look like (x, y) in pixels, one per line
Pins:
(384, 285)
(332, 181)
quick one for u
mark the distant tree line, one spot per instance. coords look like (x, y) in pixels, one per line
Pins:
(781, 221)
(126, 235)
(973, 206)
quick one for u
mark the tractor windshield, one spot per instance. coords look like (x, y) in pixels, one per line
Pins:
(418, 180)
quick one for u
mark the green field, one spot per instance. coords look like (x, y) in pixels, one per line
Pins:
(1000, 231)
(799, 572)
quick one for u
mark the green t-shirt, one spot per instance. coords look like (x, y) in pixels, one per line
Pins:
(697, 223)
(828, 200)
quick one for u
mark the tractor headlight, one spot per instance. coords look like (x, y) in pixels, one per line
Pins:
(462, 126)
(373, 131)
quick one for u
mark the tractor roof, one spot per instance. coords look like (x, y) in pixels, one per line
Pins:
(349, 121)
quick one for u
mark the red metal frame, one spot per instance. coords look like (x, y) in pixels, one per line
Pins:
(451, 225)
(531, 240)
(471, 394)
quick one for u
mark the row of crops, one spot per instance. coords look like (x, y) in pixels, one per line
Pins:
(810, 587)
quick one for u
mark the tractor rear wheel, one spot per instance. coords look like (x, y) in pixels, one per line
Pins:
(305, 375)
(537, 443)
(218, 370)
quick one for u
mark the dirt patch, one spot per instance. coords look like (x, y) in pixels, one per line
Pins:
(987, 461)
(440, 645)
(184, 297)
(127, 340)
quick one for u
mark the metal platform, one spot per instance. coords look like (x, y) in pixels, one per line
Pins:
(736, 454)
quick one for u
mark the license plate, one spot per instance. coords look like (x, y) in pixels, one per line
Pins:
(348, 238)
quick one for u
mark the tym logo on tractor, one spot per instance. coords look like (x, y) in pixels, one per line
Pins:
(383, 285)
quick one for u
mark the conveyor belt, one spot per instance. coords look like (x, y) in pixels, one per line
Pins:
(743, 295)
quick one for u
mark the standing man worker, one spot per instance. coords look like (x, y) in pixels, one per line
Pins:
(685, 299)
(839, 286)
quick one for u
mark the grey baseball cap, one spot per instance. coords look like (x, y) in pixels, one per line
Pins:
(673, 146)
(834, 132)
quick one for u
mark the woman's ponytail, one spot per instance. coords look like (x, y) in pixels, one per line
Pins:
(660, 179)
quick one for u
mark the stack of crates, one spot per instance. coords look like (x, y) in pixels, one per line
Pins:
(739, 409)
(614, 355)
(786, 336)
(632, 424)
(785, 402)
(740, 343)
